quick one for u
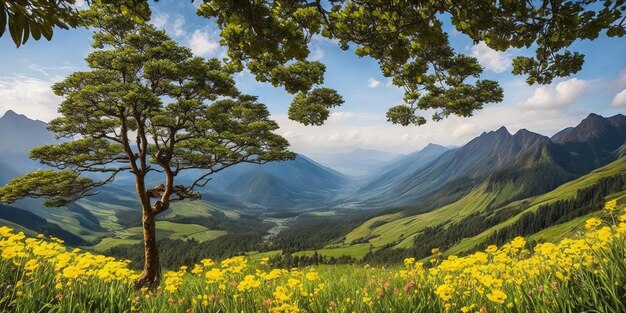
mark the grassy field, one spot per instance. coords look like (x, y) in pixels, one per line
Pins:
(582, 273)
(165, 229)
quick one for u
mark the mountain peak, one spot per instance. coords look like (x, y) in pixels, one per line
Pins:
(433, 146)
(10, 114)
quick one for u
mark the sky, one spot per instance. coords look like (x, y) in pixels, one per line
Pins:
(27, 73)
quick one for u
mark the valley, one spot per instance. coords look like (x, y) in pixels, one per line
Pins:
(387, 207)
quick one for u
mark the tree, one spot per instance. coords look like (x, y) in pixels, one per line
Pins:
(37, 18)
(271, 39)
(147, 106)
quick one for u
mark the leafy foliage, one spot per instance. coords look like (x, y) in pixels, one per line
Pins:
(28, 18)
(271, 38)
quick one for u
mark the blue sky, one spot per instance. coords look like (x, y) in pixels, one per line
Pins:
(28, 72)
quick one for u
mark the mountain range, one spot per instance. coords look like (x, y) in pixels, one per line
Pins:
(489, 172)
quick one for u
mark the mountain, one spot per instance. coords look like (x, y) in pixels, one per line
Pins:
(561, 134)
(282, 185)
(22, 134)
(403, 166)
(18, 135)
(461, 168)
(592, 143)
(358, 162)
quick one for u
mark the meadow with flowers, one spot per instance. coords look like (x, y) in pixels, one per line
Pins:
(584, 272)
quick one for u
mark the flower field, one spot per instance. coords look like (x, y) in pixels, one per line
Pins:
(584, 273)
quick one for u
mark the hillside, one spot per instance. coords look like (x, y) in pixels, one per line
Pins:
(472, 221)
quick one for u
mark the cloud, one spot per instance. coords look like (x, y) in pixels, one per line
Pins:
(620, 80)
(177, 26)
(491, 59)
(159, 20)
(30, 96)
(317, 54)
(162, 20)
(373, 83)
(556, 97)
(201, 43)
(338, 117)
(619, 99)
(464, 130)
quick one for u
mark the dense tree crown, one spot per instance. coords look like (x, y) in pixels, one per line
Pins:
(38, 18)
(271, 39)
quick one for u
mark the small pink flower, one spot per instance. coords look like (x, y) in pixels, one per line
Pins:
(408, 286)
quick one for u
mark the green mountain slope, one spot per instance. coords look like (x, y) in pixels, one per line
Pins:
(391, 237)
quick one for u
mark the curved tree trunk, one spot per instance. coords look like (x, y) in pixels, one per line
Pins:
(150, 277)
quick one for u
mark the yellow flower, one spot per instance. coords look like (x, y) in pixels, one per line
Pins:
(611, 206)
(293, 283)
(281, 294)
(497, 296)
(444, 292)
(409, 261)
(249, 282)
(214, 275)
(592, 223)
(518, 242)
(435, 251)
(207, 262)
(285, 308)
(312, 276)
(368, 301)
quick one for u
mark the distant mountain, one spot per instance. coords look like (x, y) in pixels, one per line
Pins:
(18, 135)
(531, 162)
(591, 144)
(556, 137)
(282, 185)
(357, 162)
(22, 134)
(402, 167)
(474, 161)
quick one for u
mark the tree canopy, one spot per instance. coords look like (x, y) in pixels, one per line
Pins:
(36, 18)
(271, 38)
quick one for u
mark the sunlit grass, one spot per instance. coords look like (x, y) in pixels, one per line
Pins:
(581, 273)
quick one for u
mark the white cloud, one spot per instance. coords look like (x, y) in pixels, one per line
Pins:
(173, 28)
(201, 43)
(555, 97)
(30, 96)
(464, 130)
(491, 59)
(373, 83)
(620, 80)
(619, 99)
(177, 26)
(159, 19)
(338, 117)
(317, 54)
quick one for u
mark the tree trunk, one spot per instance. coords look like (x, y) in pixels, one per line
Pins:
(150, 277)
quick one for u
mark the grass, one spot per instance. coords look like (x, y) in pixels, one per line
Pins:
(165, 229)
(399, 229)
(582, 273)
